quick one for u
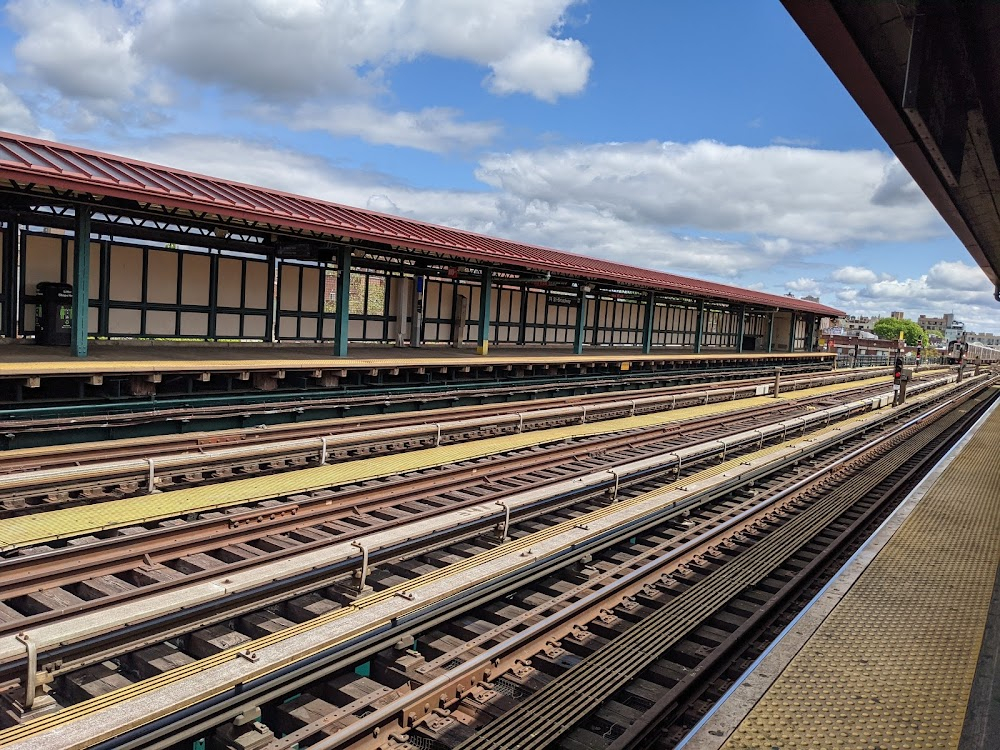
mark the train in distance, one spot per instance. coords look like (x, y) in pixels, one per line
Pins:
(959, 351)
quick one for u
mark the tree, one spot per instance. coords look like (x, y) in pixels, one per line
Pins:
(889, 328)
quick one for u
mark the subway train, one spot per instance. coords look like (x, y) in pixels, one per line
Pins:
(972, 353)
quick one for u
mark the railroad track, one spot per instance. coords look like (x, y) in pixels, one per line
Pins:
(81, 475)
(388, 581)
(75, 578)
(179, 414)
(612, 656)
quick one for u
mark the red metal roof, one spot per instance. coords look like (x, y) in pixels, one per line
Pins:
(44, 163)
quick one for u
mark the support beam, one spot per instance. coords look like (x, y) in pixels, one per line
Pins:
(741, 329)
(581, 322)
(342, 316)
(272, 293)
(791, 334)
(647, 323)
(81, 282)
(699, 327)
(485, 294)
(770, 334)
(11, 240)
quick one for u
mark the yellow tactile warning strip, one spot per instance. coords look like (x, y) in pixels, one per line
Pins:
(147, 363)
(892, 665)
(161, 681)
(57, 524)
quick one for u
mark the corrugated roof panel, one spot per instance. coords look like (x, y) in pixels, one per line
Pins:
(21, 161)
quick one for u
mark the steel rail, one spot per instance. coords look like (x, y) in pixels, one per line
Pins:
(344, 435)
(161, 732)
(559, 705)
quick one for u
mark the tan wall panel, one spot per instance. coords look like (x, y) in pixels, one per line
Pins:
(257, 291)
(312, 278)
(194, 324)
(782, 325)
(286, 327)
(92, 314)
(308, 330)
(227, 326)
(124, 322)
(29, 318)
(230, 282)
(162, 284)
(197, 269)
(255, 326)
(42, 263)
(160, 323)
(126, 274)
(355, 329)
(288, 292)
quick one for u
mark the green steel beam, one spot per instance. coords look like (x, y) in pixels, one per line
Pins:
(81, 282)
(581, 322)
(647, 323)
(485, 293)
(791, 334)
(741, 330)
(342, 316)
(770, 334)
(699, 327)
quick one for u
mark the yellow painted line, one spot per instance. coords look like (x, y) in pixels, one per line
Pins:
(69, 522)
(81, 710)
(892, 665)
(140, 364)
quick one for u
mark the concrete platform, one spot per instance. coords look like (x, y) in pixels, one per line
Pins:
(886, 655)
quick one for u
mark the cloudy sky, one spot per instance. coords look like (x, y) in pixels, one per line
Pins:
(703, 138)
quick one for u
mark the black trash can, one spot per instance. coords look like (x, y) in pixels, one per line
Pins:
(54, 314)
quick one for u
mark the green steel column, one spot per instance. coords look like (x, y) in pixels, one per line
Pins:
(791, 334)
(700, 327)
(485, 293)
(741, 329)
(342, 316)
(81, 283)
(647, 324)
(770, 334)
(10, 247)
(581, 322)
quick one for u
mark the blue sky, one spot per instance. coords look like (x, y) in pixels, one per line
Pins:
(703, 138)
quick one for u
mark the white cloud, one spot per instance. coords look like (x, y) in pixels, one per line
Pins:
(14, 113)
(946, 287)
(547, 70)
(436, 129)
(301, 48)
(804, 285)
(855, 275)
(82, 49)
(806, 196)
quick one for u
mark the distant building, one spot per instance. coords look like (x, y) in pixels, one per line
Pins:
(986, 339)
(936, 324)
(858, 323)
(897, 315)
(954, 330)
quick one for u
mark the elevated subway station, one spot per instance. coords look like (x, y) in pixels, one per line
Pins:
(175, 258)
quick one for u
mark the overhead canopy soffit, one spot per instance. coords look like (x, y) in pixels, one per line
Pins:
(60, 171)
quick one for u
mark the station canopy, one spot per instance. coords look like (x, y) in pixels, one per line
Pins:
(41, 174)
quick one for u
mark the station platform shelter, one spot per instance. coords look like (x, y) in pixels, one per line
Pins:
(153, 254)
